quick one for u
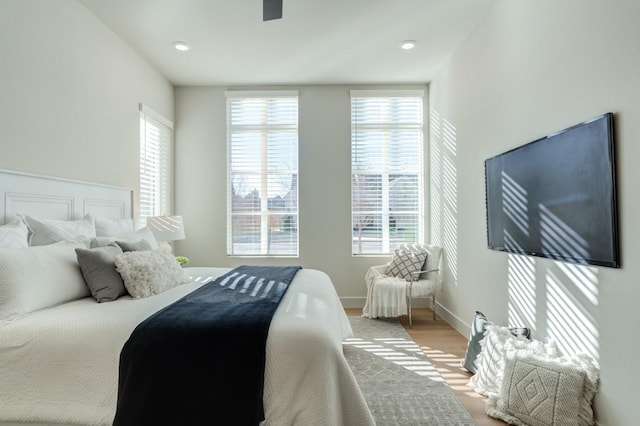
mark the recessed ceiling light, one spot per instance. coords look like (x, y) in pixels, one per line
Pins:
(181, 46)
(408, 44)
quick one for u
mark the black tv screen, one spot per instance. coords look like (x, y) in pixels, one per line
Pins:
(555, 197)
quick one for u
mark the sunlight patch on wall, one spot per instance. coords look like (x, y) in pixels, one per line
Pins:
(435, 180)
(568, 321)
(522, 291)
(444, 189)
(584, 278)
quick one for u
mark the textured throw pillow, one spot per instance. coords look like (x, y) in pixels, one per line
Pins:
(99, 272)
(39, 277)
(140, 234)
(490, 362)
(14, 235)
(146, 273)
(478, 328)
(542, 388)
(113, 227)
(404, 263)
(134, 245)
(49, 231)
(541, 393)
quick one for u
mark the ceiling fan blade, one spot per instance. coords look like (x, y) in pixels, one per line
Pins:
(271, 9)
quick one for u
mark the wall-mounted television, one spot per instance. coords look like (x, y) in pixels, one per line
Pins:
(555, 197)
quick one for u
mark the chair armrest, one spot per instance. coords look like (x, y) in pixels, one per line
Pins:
(418, 273)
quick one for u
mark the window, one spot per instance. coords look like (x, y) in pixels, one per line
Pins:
(387, 173)
(262, 173)
(155, 164)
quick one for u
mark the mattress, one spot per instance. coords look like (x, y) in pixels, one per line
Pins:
(60, 365)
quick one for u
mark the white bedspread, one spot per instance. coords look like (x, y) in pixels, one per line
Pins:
(60, 365)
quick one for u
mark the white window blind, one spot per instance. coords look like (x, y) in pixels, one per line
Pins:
(387, 173)
(155, 164)
(262, 167)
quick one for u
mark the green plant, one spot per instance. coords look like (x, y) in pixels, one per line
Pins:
(182, 260)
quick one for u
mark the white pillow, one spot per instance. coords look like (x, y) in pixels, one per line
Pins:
(14, 235)
(541, 389)
(490, 361)
(113, 227)
(39, 277)
(49, 231)
(146, 273)
(141, 234)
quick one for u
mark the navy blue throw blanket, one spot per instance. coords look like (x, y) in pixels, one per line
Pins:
(201, 360)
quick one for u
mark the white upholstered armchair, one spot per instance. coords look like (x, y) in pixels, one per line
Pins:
(392, 287)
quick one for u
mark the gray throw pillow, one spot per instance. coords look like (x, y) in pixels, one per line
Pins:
(99, 272)
(142, 245)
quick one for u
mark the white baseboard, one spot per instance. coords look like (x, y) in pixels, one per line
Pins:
(453, 320)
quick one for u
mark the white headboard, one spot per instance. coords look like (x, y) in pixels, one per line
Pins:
(49, 197)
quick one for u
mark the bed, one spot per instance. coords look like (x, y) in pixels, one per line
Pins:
(59, 362)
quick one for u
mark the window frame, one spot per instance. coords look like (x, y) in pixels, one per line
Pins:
(162, 176)
(386, 172)
(264, 250)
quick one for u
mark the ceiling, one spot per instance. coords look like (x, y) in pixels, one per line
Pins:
(316, 41)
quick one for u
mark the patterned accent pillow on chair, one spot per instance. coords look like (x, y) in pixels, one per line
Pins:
(405, 262)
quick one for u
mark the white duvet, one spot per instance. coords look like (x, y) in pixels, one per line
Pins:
(60, 365)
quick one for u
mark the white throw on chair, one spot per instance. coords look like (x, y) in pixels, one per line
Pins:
(391, 287)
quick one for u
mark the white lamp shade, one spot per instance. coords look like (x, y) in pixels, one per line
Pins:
(166, 228)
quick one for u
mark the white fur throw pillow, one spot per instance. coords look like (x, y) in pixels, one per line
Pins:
(146, 273)
(541, 388)
(491, 360)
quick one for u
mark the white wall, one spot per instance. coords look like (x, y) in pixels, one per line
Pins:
(324, 169)
(69, 94)
(532, 68)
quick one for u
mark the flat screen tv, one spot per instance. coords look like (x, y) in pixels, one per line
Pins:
(555, 197)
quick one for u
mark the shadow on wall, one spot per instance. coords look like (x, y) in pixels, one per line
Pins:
(560, 307)
(555, 299)
(444, 191)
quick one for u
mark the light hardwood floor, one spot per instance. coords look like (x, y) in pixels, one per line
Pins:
(445, 347)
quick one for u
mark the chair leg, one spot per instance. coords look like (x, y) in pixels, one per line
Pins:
(409, 307)
(433, 306)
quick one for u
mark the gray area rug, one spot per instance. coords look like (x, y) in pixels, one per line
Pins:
(399, 383)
